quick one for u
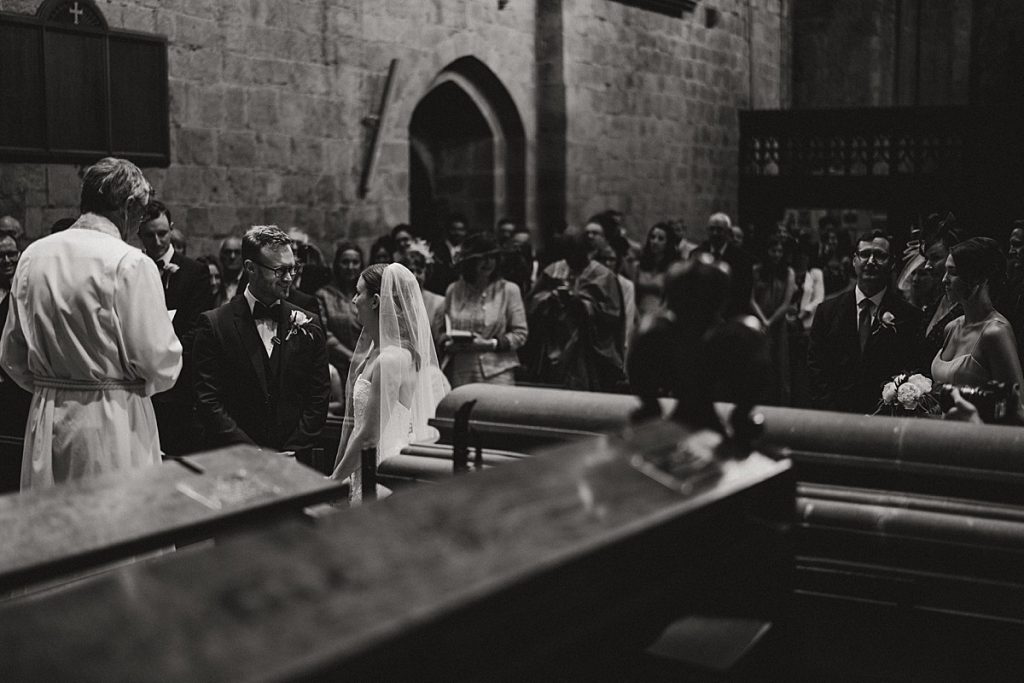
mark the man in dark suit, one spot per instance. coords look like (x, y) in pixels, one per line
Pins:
(861, 338)
(446, 254)
(261, 372)
(186, 294)
(741, 269)
(14, 401)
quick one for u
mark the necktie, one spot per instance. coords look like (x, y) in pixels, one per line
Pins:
(864, 327)
(261, 311)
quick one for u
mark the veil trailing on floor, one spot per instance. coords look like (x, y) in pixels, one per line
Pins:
(404, 373)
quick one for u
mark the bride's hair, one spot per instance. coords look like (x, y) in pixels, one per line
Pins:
(373, 276)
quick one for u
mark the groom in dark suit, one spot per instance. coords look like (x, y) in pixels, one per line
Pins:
(187, 293)
(862, 337)
(261, 372)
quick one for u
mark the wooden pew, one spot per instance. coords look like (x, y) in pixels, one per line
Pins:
(71, 528)
(529, 570)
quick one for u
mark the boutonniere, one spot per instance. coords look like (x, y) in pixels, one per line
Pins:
(886, 321)
(298, 323)
(172, 268)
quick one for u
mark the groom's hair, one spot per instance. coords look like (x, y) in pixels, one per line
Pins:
(259, 236)
(871, 236)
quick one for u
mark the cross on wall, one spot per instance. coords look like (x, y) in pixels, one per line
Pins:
(77, 12)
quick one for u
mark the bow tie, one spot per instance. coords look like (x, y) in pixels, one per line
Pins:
(261, 311)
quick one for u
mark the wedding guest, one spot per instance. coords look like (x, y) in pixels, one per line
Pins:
(231, 265)
(217, 292)
(178, 241)
(681, 236)
(419, 259)
(88, 334)
(524, 268)
(446, 253)
(14, 401)
(774, 285)
(597, 230)
(504, 229)
(382, 250)
(810, 292)
(489, 307)
(341, 321)
(576, 312)
(402, 236)
(655, 258)
(186, 286)
(11, 226)
(261, 372)
(861, 338)
(979, 346)
(612, 259)
(938, 308)
(719, 245)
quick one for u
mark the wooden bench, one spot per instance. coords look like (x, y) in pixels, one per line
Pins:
(52, 532)
(532, 570)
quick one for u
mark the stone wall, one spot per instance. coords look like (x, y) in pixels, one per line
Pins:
(267, 100)
(653, 126)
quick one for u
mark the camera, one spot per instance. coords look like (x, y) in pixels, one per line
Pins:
(996, 402)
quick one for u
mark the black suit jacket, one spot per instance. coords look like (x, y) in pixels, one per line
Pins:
(14, 401)
(741, 279)
(842, 377)
(244, 397)
(186, 291)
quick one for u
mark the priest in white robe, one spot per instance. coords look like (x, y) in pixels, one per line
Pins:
(89, 335)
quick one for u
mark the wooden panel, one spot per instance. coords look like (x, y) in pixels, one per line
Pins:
(138, 96)
(22, 118)
(76, 92)
(468, 579)
(54, 531)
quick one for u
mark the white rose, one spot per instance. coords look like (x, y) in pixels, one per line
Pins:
(908, 395)
(888, 318)
(889, 393)
(921, 382)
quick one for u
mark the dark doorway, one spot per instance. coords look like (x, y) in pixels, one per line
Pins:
(466, 151)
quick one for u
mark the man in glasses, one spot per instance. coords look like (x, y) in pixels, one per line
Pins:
(231, 265)
(261, 372)
(861, 338)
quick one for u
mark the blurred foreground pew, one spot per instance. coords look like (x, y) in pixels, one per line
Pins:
(62, 530)
(558, 566)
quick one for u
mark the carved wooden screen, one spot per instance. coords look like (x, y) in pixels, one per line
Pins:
(907, 162)
(74, 91)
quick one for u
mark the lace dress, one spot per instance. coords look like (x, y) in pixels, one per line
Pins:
(400, 416)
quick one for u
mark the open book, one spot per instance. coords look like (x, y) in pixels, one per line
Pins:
(457, 336)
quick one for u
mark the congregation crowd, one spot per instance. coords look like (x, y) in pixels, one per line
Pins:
(256, 343)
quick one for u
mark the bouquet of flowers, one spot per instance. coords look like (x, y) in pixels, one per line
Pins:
(908, 394)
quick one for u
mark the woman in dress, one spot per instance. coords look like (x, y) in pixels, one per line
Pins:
(655, 258)
(341, 321)
(216, 281)
(774, 285)
(394, 384)
(980, 346)
(489, 307)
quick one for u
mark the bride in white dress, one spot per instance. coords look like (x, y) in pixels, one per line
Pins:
(394, 382)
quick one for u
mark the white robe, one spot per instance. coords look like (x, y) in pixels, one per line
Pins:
(89, 335)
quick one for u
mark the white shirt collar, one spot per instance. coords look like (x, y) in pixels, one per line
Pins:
(876, 300)
(249, 298)
(165, 260)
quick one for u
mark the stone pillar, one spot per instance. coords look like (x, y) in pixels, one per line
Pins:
(551, 120)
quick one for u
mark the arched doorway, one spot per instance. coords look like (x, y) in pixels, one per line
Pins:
(466, 151)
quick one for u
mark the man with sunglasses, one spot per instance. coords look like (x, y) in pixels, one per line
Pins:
(862, 337)
(261, 372)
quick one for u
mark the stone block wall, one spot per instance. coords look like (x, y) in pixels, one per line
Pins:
(653, 101)
(267, 103)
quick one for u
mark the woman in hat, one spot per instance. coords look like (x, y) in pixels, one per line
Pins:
(484, 316)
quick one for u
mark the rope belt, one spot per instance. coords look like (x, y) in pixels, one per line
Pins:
(88, 385)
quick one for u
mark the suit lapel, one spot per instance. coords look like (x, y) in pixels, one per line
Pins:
(278, 357)
(172, 292)
(847, 325)
(249, 339)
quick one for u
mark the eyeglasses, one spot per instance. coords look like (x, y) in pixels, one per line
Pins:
(879, 256)
(10, 255)
(280, 273)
